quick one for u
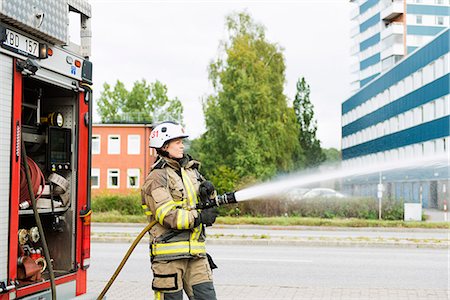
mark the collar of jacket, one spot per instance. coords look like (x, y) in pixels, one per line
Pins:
(187, 162)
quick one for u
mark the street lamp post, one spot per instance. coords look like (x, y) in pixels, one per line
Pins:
(380, 196)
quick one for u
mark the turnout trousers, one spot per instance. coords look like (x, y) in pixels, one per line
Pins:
(193, 275)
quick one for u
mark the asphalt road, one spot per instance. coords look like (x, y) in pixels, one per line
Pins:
(288, 266)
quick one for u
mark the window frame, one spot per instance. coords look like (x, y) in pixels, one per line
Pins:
(110, 138)
(98, 178)
(108, 184)
(419, 19)
(138, 152)
(99, 143)
(138, 180)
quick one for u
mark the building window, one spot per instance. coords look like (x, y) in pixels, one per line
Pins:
(95, 178)
(439, 20)
(133, 178)
(113, 178)
(439, 1)
(418, 19)
(113, 144)
(95, 144)
(134, 144)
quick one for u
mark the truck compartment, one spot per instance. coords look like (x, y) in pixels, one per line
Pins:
(49, 115)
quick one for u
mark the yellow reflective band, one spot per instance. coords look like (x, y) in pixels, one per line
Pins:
(147, 210)
(198, 247)
(162, 211)
(182, 219)
(157, 295)
(192, 195)
(170, 248)
(178, 248)
(196, 233)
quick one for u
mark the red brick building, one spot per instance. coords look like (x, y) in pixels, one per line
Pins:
(121, 157)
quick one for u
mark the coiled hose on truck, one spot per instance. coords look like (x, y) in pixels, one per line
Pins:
(38, 220)
(37, 180)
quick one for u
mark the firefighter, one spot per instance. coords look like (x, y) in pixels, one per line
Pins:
(177, 240)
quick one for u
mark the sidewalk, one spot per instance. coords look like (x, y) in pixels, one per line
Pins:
(435, 215)
(134, 290)
(293, 236)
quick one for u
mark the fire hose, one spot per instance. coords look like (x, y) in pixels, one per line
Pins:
(208, 199)
(38, 220)
(36, 180)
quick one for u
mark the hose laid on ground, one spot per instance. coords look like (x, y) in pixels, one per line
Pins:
(125, 258)
(38, 220)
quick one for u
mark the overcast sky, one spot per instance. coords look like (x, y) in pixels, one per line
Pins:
(174, 42)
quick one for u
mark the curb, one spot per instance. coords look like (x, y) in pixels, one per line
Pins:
(293, 227)
(291, 242)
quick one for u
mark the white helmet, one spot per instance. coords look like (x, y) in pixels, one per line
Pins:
(165, 132)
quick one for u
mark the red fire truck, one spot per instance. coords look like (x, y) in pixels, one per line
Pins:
(45, 117)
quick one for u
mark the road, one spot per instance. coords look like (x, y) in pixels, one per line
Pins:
(317, 268)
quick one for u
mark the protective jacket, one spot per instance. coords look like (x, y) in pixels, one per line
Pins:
(169, 196)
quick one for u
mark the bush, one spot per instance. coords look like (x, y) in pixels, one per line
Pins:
(362, 208)
(129, 204)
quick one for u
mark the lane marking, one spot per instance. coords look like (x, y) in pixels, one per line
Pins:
(264, 260)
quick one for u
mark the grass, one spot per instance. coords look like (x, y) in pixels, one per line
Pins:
(116, 217)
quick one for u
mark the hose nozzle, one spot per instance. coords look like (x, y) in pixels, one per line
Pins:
(226, 199)
(207, 202)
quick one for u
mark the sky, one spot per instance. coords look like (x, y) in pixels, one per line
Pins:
(175, 41)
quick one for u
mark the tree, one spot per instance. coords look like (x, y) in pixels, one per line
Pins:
(332, 155)
(304, 111)
(250, 128)
(146, 102)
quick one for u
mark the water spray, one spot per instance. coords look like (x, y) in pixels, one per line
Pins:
(282, 185)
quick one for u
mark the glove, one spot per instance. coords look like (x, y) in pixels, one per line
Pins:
(206, 191)
(207, 216)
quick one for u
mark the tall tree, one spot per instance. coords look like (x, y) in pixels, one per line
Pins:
(304, 111)
(146, 102)
(250, 128)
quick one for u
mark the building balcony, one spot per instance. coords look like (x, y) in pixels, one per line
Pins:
(394, 49)
(391, 29)
(392, 11)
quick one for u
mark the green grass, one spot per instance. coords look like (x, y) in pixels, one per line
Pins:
(116, 217)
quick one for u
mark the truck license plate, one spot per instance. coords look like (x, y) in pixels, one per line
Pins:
(21, 43)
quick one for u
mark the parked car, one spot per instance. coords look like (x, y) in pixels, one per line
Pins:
(295, 194)
(322, 193)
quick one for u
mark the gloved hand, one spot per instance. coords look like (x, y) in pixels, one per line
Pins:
(207, 216)
(207, 191)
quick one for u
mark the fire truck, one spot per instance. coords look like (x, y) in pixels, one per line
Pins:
(45, 133)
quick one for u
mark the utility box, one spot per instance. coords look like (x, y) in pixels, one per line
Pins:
(413, 212)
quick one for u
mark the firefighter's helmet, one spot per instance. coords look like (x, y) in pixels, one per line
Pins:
(166, 132)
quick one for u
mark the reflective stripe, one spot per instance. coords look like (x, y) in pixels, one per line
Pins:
(198, 248)
(162, 211)
(192, 195)
(192, 247)
(196, 233)
(146, 209)
(182, 219)
(157, 295)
